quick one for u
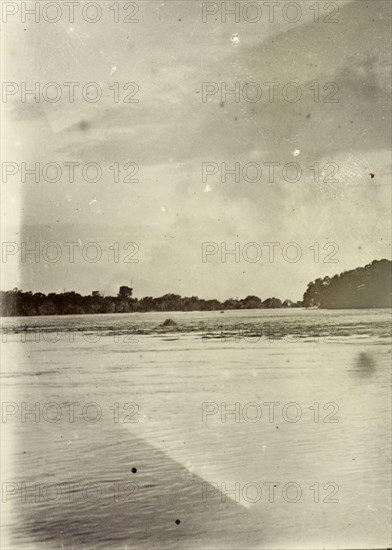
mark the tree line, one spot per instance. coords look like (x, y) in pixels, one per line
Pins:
(363, 287)
(19, 303)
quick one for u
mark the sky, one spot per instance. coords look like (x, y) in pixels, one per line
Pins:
(170, 132)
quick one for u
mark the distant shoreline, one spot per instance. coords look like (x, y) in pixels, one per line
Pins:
(368, 287)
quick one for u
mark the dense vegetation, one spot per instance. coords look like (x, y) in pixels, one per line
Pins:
(17, 302)
(364, 287)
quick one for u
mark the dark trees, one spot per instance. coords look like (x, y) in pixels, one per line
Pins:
(363, 287)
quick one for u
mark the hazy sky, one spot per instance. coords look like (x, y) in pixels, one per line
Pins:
(170, 132)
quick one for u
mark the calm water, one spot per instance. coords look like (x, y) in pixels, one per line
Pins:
(149, 383)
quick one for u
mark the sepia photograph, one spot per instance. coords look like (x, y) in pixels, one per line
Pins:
(196, 275)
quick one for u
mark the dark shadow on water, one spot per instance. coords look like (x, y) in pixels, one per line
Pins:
(134, 510)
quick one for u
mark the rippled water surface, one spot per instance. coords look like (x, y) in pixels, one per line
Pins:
(124, 469)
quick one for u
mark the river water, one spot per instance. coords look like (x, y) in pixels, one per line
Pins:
(244, 429)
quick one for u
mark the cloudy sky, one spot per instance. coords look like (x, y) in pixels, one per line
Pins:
(170, 132)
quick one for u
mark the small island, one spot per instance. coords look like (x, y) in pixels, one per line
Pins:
(363, 287)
